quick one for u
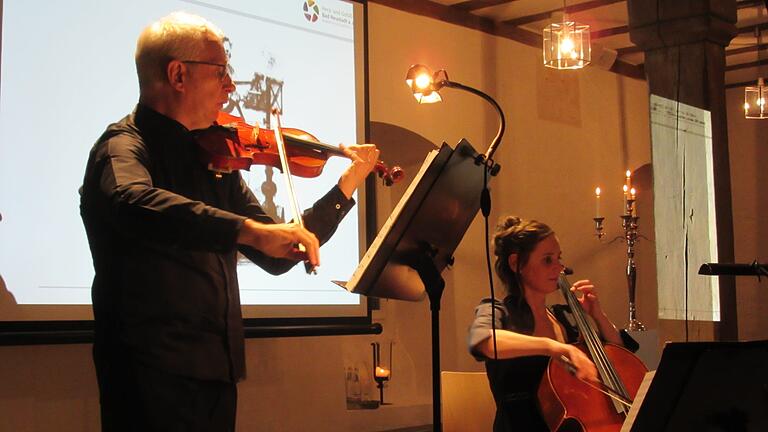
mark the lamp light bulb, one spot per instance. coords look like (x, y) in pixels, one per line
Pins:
(566, 47)
(423, 81)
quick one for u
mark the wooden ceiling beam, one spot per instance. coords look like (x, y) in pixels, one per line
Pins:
(743, 4)
(741, 84)
(746, 65)
(628, 50)
(746, 49)
(580, 7)
(440, 12)
(730, 52)
(751, 28)
(465, 19)
(743, 30)
(606, 32)
(471, 5)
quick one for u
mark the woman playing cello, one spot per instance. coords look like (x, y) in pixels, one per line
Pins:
(528, 333)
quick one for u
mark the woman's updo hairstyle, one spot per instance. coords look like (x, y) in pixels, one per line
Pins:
(519, 236)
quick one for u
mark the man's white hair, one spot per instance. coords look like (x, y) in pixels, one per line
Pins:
(178, 36)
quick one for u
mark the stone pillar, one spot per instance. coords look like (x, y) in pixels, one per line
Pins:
(684, 43)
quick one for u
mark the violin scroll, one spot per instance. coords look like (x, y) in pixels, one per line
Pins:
(389, 176)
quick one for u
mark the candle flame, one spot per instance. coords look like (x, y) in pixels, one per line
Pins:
(632, 192)
(597, 191)
(629, 173)
(625, 188)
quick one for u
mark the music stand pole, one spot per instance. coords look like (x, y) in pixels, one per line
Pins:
(434, 284)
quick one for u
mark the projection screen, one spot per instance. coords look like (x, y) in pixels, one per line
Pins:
(68, 71)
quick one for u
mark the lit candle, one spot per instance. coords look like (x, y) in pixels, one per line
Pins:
(629, 179)
(597, 202)
(632, 193)
(381, 372)
(626, 191)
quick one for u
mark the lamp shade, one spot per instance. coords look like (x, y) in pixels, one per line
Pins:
(566, 45)
(421, 82)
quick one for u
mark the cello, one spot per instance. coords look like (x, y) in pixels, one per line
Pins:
(568, 403)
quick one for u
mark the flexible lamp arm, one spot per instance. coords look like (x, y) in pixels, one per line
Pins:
(502, 123)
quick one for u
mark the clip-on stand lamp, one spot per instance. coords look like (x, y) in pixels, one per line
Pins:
(425, 87)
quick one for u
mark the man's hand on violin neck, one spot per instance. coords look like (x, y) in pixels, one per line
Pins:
(364, 158)
(281, 240)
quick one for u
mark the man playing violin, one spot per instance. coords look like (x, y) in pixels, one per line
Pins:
(164, 234)
(528, 333)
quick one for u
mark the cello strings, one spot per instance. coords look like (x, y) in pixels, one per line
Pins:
(597, 386)
(582, 324)
(608, 374)
(602, 363)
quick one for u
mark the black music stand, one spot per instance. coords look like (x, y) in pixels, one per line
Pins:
(707, 386)
(417, 242)
(722, 269)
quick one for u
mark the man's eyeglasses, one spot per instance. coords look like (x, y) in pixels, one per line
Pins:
(223, 72)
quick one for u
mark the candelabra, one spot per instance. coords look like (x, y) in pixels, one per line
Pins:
(629, 221)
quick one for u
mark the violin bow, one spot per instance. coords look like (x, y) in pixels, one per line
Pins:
(289, 183)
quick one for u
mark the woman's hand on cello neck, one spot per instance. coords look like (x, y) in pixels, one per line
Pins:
(587, 295)
(591, 305)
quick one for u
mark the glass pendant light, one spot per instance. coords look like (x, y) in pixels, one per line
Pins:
(566, 44)
(755, 96)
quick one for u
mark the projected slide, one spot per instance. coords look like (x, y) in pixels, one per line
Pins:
(68, 71)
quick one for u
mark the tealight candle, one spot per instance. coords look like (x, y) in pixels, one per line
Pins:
(381, 372)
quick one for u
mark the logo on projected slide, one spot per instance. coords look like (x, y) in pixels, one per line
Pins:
(311, 10)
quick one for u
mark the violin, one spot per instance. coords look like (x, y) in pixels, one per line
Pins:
(568, 403)
(232, 144)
